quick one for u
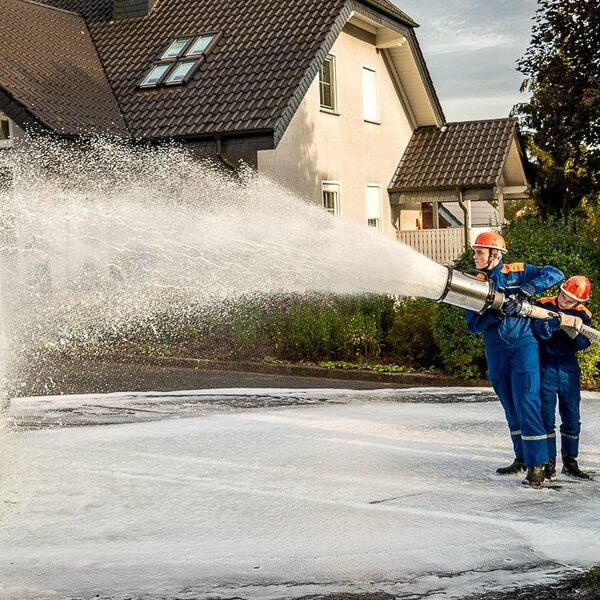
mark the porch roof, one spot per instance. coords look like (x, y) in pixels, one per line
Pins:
(469, 154)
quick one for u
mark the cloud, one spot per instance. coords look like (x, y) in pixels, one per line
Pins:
(471, 48)
(470, 108)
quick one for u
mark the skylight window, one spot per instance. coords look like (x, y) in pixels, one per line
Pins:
(176, 48)
(155, 75)
(179, 73)
(200, 45)
(178, 62)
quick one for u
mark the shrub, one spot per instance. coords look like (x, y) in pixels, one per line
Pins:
(410, 340)
(462, 353)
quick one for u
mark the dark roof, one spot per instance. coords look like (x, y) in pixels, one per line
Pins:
(465, 154)
(391, 8)
(50, 69)
(249, 83)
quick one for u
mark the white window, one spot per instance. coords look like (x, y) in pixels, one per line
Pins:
(327, 84)
(370, 95)
(373, 201)
(331, 197)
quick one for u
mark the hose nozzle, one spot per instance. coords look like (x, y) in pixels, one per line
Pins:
(471, 292)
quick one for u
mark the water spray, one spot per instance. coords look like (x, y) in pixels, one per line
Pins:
(479, 294)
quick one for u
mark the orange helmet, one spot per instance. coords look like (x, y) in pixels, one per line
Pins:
(577, 287)
(491, 240)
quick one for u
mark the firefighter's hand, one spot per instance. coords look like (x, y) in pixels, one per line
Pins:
(527, 290)
(553, 324)
(511, 307)
(570, 322)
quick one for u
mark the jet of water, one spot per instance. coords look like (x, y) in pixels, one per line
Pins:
(103, 232)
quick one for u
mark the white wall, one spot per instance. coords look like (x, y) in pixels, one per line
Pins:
(320, 146)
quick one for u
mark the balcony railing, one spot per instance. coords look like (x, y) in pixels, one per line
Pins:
(443, 246)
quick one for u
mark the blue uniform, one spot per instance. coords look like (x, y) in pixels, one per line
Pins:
(511, 350)
(560, 377)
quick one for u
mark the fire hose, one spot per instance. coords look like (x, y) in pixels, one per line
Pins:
(478, 293)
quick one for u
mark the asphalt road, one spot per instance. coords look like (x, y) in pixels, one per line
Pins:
(83, 377)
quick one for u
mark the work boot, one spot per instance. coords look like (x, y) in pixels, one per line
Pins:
(517, 466)
(570, 467)
(551, 469)
(535, 476)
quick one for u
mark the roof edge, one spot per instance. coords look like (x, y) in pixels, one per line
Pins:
(395, 12)
(18, 113)
(442, 188)
(294, 102)
(513, 135)
(50, 7)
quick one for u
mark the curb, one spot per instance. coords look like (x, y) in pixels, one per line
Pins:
(201, 364)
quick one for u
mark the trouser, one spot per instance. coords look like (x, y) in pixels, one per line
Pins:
(515, 376)
(561, 379)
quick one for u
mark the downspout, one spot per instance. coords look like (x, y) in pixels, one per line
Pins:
(221, 157)
(463, 207)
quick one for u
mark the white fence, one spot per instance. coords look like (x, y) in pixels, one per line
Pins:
(441, 245)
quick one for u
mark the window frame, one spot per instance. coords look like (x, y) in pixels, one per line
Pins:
(188, 49)
(368, 119)
(334, 109)
(167, 80)
(337, 212)
(164, 57)
(379, 219)
(160, 80)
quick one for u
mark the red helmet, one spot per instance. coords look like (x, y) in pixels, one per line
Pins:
(491, 240)
(577, 287)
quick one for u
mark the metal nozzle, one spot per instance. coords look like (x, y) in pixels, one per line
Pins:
(470, 292)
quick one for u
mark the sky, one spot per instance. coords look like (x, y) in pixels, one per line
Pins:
(471, 48)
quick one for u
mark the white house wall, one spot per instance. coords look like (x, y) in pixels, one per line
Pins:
(319, 146)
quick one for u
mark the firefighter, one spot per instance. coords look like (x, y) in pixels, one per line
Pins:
(559, 370)
(512, 352)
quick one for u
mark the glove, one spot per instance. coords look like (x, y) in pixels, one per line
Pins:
(571, 322)
(553, 324)
(527, 290)
(511, 307)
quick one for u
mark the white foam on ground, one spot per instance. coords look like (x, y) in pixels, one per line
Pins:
(359, 496)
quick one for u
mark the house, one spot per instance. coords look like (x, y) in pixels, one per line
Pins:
(331, 97)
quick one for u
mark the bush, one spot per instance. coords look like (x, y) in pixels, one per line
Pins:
(410, 340)
(462, 353)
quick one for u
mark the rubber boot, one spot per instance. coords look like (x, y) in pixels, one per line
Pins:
(550, 469)
(535, 476)
(570, 467)
(517, 466)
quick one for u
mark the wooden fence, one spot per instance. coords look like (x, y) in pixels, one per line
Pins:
(441, 245)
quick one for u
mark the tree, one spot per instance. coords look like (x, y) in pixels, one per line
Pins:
(561, 122)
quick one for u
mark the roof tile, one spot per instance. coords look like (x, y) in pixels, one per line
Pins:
(469, 153)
